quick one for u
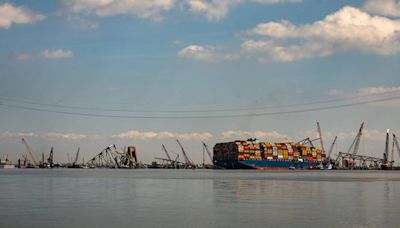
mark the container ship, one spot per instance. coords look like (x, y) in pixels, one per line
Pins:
(252, 154)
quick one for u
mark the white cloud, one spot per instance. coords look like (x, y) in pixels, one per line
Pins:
(366, 91)
(377, 90)
(383, 7)
(17, 134)
(143, 9)
(277, 1)
(69, 136)
(213, 10)
(370, 93)
(273, 135)
(347, 29)
(205, 53)
(24, 56)
(143, 135)
(56, 54)
(49, 54)
(10, 14)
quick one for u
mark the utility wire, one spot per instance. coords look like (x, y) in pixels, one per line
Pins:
(189, 111)
(206, 116)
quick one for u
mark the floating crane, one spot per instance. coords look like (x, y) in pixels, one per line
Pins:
(205, 149)
(34, 160)
(356, 143)
(166, 152)
(188, 163)
(74, 163)
(348, 160)
(396, 142)
(386, 152)
(320, 138)
(50, 160)
(331, 148)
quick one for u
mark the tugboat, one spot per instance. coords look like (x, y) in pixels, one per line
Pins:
(5, 163)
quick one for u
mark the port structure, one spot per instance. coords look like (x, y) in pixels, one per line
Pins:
(352, 160)
(395, 142)
(207, 150)
(34, 160)
(169, 162)
(109, 157)
(188, 163)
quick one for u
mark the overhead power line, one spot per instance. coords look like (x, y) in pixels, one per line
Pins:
(261, 107)
(203, 116)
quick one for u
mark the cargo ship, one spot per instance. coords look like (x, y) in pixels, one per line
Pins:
(252, 154)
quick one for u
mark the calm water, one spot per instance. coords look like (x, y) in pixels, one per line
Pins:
(198, 198)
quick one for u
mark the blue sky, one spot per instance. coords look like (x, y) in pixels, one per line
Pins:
(185, 58)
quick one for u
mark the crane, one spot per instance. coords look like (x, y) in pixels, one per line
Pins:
(35, 163)
(74, 165)
(356, 143)
(331, 148)
(386, 152)
(166, 152)
(50, 159)
(307, 140)
(205, 148)
(320, 138)
(187, 160)
(396, 142)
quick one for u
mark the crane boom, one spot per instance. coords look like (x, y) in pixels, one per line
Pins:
(166, 152)
(320, 138)
(30, 152)
(392, 153)
(187, 160)
(356, 143)
(397, 144)
(208, 151)
(386, 152)
(332, 146)
(50, 159)
(76, 157)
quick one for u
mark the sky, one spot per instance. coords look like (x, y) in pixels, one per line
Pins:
(93, 73)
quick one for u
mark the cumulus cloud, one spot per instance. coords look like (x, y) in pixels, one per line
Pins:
(213, 10)
(144, 135)
(10, 14)
(277, 1)
(17, 134)
(274, 135)
(49, 54)
(383, 7)
(205, 53)
(377, 90)
(56, 54)
(151, 9)
(69, 136)
(347, 29)
(366, 91)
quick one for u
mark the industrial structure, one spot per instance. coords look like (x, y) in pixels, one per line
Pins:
(109, 157)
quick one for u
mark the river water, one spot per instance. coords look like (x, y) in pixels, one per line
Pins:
(198, 198)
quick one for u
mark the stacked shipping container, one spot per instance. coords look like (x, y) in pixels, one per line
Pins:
(252, 150)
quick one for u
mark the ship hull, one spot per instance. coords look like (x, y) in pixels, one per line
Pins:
(264, 164)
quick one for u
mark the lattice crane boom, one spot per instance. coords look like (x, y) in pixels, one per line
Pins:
(187, 160)
(356, 143)
(208, 152)
(166, 152)
(320, 138)
(332, 146)
(396, 142)
(28, 148)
